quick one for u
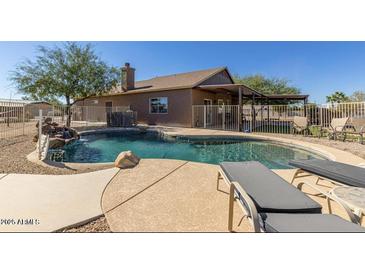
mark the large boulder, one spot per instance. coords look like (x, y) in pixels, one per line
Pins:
(126, 159)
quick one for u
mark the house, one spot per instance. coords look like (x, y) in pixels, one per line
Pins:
(18, 109)
(169, 100)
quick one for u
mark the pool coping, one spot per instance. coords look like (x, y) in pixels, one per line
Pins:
(322, 150)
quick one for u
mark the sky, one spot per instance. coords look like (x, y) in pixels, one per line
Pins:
(317, 68)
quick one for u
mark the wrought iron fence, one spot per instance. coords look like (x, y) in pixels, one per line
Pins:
(20, 119)
(222, 117)
(280, 119)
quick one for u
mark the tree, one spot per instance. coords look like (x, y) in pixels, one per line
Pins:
(337, 97)
(358, 96)
(69, 72)
(267, 85)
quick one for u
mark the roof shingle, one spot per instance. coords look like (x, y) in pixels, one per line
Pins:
(174, 81)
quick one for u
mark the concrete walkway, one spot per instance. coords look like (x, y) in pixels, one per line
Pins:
(44, 203)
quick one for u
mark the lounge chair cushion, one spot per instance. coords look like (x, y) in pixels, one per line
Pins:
(282, 222)
(339, 172)
(269, 191)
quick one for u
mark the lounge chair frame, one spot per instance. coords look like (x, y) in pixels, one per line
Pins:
(250, 211)
(236, 192)
(298, 125)
(358, 126)
(334, 130)
(300, 173)
(329, 197)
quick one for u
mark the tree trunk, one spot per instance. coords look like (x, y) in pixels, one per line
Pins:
(68, 111)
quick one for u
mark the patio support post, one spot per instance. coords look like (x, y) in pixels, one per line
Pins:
(239, 108)
(253, 114)
(305, 107)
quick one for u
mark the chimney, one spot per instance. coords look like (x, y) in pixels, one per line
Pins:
(127, 77)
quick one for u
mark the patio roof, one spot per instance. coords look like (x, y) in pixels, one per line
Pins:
(234, 88)
(288, 97)
(249, 92)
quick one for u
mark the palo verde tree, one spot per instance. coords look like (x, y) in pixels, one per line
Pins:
(266, 85)
(68, 72)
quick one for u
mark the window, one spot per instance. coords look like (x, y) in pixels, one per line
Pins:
(158, 105)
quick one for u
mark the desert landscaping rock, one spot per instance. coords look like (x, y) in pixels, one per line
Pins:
(126, 159)
(98, 225)
(13, 159)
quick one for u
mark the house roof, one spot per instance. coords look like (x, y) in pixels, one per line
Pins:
(19, 102)
(195, 79)
(174, 81)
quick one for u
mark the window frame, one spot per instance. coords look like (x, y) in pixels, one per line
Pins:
(167, 105)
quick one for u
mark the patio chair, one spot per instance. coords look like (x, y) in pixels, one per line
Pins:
(335, 172)
(336, 128)
(358, 126)
(273, 205)
(300, 125)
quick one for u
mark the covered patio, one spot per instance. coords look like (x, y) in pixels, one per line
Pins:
(242, 114)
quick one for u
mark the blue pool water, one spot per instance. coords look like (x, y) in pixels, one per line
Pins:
(104, 147)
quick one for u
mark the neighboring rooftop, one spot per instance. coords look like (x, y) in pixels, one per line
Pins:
(20, 102)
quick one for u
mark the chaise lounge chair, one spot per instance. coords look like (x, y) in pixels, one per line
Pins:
(335, 172)
(273, 205)
(336, 128)
(358, 126)
(300, 125)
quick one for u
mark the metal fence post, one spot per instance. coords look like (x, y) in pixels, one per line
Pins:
(205, 116)
(87, 115)
(23, 119)
(223, 117)
(40, 134)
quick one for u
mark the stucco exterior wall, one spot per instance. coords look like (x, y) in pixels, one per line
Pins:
(198, 97)
(179, 106)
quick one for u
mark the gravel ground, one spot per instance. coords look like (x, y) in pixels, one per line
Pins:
(13, 153)
(98, 225)
(353, 147)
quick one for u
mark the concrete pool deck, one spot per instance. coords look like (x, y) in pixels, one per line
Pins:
(177, 196)
(167, 196)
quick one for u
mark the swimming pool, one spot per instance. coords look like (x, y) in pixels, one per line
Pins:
(104, 147)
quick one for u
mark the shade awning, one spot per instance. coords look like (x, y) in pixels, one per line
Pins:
(233, 88)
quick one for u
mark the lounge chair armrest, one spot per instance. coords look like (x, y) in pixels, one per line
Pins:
(250, 204)
(349, 212)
